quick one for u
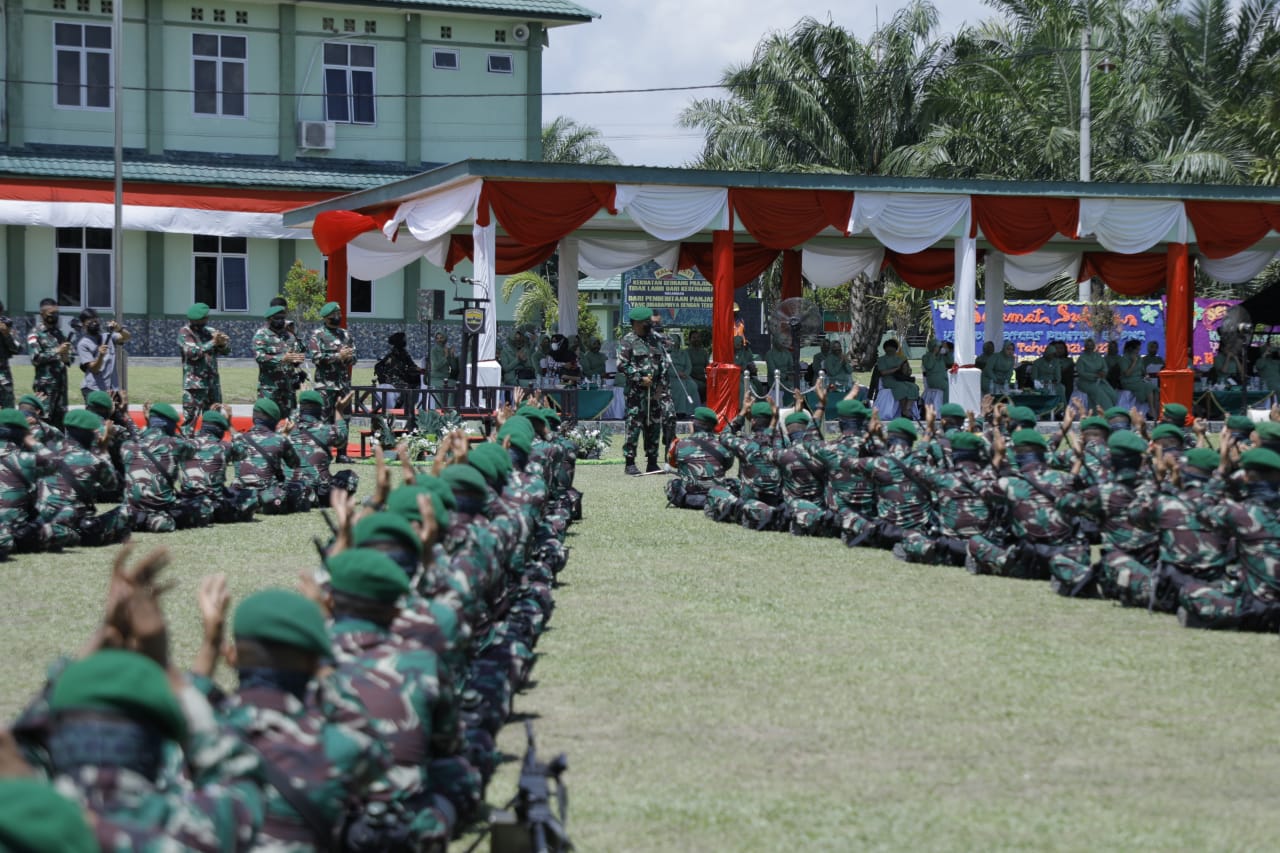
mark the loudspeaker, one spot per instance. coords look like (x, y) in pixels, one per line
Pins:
(430, 306)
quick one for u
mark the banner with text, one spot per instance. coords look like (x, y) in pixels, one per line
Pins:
(1204, 335)
(1031, 325)
(682, 297)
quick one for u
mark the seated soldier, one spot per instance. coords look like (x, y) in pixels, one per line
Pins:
(962, 511)
(803, 474)
(759, 484)
(264, 453)
(204, 475)
(114, 410)
(68, 496)
(22, 462)
(700, 462)
(314, 441)
(153, 466)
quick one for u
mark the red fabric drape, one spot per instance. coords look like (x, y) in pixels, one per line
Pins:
(1176, 381)
(1224, 228)
(1018, 225)
(334, 229)
(721, 268)
(1131, 275)
(749, 260)
(512, 256)
(932, 269)
(724, 389)
(336, 284)
(791, 280)
(536, 213)
(781, 219)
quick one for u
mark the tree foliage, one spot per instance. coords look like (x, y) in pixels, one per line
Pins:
(305, 289)
(566, 141)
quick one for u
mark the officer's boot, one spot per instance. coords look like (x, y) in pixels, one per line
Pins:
(631, 469)
(652, 466)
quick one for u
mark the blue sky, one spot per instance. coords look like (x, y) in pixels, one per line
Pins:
(656, 43)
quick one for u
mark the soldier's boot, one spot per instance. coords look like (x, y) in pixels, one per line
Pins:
(631, 470)
(1190, 619)
(652, 466)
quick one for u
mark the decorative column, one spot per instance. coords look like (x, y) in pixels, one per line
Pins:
(485, 273)
(336, 280)
(1176, 380)
(966, 380)
(993, 287)
(567, 288)
(724, 378)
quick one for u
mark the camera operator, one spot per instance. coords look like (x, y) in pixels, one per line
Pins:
(96, 353)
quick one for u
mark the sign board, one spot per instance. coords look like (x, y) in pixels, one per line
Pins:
(473, 320)
(682, 297)
(1204, 334)
(1031, 325)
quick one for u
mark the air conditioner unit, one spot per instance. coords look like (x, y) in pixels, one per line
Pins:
(520, 32)
(316, 135)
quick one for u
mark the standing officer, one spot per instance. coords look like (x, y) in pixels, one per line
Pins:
(333, 352)
(641, 360)
(50, 354)
(200, 347)
(278, 354)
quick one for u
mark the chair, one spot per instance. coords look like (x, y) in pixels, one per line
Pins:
(1126, 401)
(1080, 400)
(933, 398)
(886, 406)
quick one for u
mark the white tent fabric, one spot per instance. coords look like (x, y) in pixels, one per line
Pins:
(1034, 271)
(907, 222)
(486, 284)
(145, 217)
(604, 258)
(832, 266)
(1237, 269)
(371, 256)
(1130, 226)
(435, 215)
(673, 213)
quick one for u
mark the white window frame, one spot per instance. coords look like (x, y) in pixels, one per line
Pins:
(220, 62)
(457, 59)
(84, 253)
(83, 52)
(221, 256)
(373, 299)
(508, 56)
(371, 70)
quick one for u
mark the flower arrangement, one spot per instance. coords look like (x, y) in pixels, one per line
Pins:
(591, 443)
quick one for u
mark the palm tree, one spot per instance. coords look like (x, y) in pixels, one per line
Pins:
(566, 141)
(538, 306)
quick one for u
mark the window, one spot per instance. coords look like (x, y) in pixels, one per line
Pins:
(84, 267)
(348, 25)
(501, 63)
(370, 26)
(82, 5)
(106, 7)
(221, 272)
(82, 62)
(218, 73)
(445, 60)
(500, 36)
(219, 16)
(359, 296)
(197, 13)
(242, 17)
(348, 82)
(446, 32)
(60, 5)
(326, 24)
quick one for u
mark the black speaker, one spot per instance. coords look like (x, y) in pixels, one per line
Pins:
(430, 306)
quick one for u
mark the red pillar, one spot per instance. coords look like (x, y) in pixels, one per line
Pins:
(336, 283)
(791, 282)
(723, 376)
(1177, 380)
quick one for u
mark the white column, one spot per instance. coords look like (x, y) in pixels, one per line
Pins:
(486, 286)
(966, 383)
(993, 287)
(567, 292)
(1086, 290)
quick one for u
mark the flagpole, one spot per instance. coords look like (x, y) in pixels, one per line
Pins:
(117, 233)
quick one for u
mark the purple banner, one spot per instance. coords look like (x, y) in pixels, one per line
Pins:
(1030, 325)
(1204, 335)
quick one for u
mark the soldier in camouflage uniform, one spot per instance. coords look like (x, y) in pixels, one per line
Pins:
(200, 347)
(848, 491)
(68, 496)
(803, 477)
(279, 356)
(759, 493)
(641, 360)
(961, 510)
(34, 818)
(42, 431)
(266, 459)
(114, 411)
(50, 354)
(10, 346)
(902, 497)
(333, 354)
(701, 463)
(668, 402)
(204, 474)
(22, 462)
(314, 438)
(153, 466)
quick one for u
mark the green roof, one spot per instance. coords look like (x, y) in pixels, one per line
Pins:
(538, 10)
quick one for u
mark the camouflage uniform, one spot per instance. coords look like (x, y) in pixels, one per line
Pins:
(640, 357)
(803, 477)
(277, 380)
(961, 513)
(314, 440)
(902, 498)
(759, 482)
(204, 476)
(1039, 530)
(1187, 546)
(21, 528)
(153, 465)
(264, 455)
(201, 383)
(701, 462)
(332, 375)
(66, 497)
(9, 347)
(50, 370)
(849, 492)
(1128, 551)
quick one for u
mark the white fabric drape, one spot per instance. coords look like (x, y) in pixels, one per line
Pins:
(1034, 271)
(486, 286)
(993, 290)
(1237, 269)
(437, 214)
(567, 291)
(673, 213)
(966, 278)
(1130, 225)
(372, 256)
(604, 258)
(907, 222)
(145, 217)
(832, 266)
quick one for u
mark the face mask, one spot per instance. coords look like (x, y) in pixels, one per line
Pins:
(1261, 490)
(50, 319)
(332, 321)
(276, 323)
(1118, 425)
(165, 425)
(294, 683)
(92, 326)
(1027, 460)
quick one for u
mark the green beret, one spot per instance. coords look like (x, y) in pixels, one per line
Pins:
(267, 407)
(14, 418)
(639, 315)
(1205, 458)
(1029, 437)
(519, 430)
(532, 413)
(797, 417)
(761, 409)
(164, 410)
(951, 410)
(1240, 423)
(851, 409)
(83, 419)
(1095, 422)
(1176, 412)
(100, 401)
(702, 413)
(1260, 457)
(216, 418)
(35, 818)
(438, 487)
(273, 311)
(961, 440)
(1126, 441)
(551, 416)
(1021, 414)
(370, 574)
(491, 460)
(386, 527)
(124, 683)
(1267, 430)
(33, 401)
(1117, 412)
(198, 311)
(312, 397)
(328, 308)
(285, 617)
(464, 478)
(1167, 431)
(403, 501)
(903, 426)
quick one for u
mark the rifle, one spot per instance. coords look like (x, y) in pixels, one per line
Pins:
(534, 827)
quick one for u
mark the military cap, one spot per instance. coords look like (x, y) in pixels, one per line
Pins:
(33, 401)
(282, 616)
(1268, 430)
(216, 418)
(100, 401)
(268, 407)
(311, 397)
(1022, 414)
(1203, 457)
(1117, 412)
(1126, 441)
(164, 410)
(1260, 457)
(797, 418)
(83, 419)
(198, 311)
(851, 409)
(1240, 423)
(702, 413)
(520, 431)
(14, 418)
(761, 409)
(961, 440)
(328, 308)
(639, 315)
(438, 487)
(386, 526)
(902, 426)
(368, 574)
(532, 413)
(121, 682)
(1176, 412)
(951, 410)
(551, 416)
(35, 818)
(1095, 422)
(1167, 431)
(491, 461)
(1029, 437)
(273, 311)
(464, 478)
(403, 501)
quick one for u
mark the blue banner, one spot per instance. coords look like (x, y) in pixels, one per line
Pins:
(1031, 325)
(682, 297)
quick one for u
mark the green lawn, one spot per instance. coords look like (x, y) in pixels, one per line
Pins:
(717, 689)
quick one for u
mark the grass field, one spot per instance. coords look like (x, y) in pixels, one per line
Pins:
(718, 689)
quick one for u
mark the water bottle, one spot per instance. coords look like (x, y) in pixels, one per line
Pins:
(822, 377)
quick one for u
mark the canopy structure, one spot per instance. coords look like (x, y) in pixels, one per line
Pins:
(510, 216)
